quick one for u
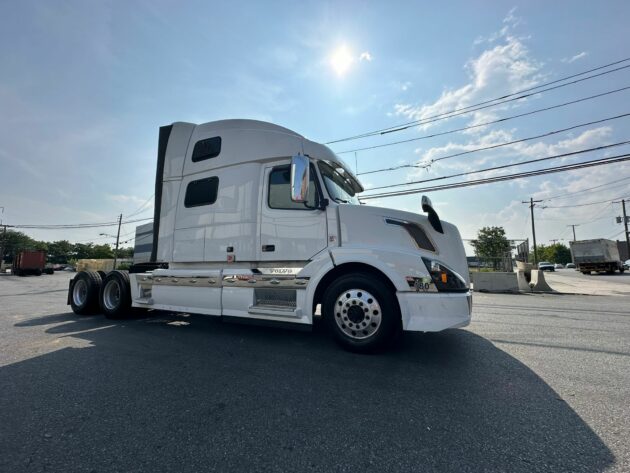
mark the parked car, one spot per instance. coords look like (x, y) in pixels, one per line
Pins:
(626, 264)
(570, 266)
(558, 266)
(546, 266)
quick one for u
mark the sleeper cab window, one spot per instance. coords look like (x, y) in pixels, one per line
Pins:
(206, 149)
(280, 190)
(201, 192)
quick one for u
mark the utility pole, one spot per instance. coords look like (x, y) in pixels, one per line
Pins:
(2, 243)
(625, 223)
(532, 204)
(117, 239)
(573, 226)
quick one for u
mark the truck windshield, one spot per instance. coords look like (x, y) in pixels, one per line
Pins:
(337, 184)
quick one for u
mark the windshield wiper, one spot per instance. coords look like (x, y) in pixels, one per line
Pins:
(340, 200)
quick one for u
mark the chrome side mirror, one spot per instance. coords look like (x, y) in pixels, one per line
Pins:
(300, 176)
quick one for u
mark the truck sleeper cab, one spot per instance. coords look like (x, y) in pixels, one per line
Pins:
(253, 221)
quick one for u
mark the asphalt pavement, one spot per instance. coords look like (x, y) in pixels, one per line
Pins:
(536, 383)
(596, 284)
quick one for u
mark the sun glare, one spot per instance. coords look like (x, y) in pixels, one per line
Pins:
(341, 60)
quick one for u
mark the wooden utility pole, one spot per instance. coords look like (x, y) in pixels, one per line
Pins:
(573, 226)
(532, 204)
(625, 223)
(2, 244)
(117, 239)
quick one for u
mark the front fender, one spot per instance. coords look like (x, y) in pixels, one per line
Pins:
(396, 265)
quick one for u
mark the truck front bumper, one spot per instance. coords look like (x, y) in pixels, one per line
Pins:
(433, 312)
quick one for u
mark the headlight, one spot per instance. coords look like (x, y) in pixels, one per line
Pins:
(445, 279)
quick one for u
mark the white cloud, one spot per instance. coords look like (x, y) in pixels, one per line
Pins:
(503, 69)
(365, 56)
(577, 57)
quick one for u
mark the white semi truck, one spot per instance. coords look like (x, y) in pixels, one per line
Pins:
(254, 222)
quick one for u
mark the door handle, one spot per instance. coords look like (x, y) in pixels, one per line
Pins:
(269, 248)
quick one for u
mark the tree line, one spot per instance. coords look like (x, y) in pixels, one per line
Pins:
(58, 252)
(492, 245)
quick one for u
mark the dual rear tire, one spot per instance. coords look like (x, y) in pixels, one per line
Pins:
(92, 293)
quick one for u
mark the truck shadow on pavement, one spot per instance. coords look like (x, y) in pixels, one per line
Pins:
(176, 392)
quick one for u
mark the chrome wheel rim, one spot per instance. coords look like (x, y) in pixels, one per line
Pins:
(358, 314)
(79, 292)
(111, 295)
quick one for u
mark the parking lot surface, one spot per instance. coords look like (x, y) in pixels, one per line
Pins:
(536, 383)
(597, 284)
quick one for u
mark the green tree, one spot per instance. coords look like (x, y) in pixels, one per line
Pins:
(14, 242)
(125, 253)
(556, 253)
(60, 251)
(491, 244)
(102, 251)
(82, 250)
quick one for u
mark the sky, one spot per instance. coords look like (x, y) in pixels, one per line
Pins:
(85, 85)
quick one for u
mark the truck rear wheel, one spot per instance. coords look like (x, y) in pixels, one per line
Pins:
(84, 292)
(362, 313)
(115, 296)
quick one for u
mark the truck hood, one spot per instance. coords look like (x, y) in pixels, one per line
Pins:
(365, 226)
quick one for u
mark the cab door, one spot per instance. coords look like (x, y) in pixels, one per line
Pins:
(290, 231)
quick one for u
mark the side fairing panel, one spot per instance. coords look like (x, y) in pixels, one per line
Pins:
(170, 194)
(176, 149)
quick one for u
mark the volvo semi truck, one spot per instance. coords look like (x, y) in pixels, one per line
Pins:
(254, 222)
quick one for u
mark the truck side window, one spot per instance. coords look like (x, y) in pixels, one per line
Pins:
(201, 192)
(280, 190)
(206, 149)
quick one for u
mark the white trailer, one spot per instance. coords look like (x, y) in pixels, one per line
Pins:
(254, 222)
(599, 255)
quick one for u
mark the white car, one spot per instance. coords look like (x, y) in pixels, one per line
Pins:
(558, 266)
(546, 266)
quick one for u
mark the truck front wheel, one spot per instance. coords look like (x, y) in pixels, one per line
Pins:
(115, 296)
(84, 292)
(362, 312)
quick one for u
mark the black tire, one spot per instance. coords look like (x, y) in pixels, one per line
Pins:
(85, 293)
(368, 318)
(103, 274)
(38, 272)
(586, 272)
(115, 295)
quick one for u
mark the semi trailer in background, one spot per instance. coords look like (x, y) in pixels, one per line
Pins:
(599, 255)
(253, 222)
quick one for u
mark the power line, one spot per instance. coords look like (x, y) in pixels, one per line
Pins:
(498, 145)
(571, 194)
(140, 209)
(76, 226)
(615, 235)
(504, 166)
(490, 180)
(470, 127)
(582, 205)
(487, 103)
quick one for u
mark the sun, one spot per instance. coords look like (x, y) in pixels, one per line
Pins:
(341, 60)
